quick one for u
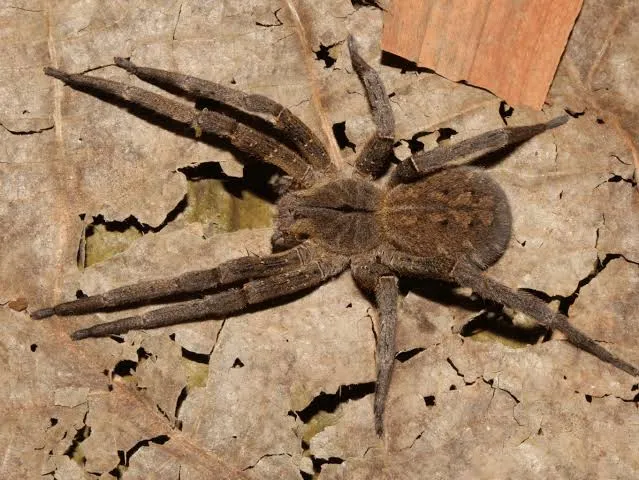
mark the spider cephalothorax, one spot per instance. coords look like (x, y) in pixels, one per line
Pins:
(434, 218)
(339, 215)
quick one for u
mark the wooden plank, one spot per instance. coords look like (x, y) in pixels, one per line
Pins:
(510, 47)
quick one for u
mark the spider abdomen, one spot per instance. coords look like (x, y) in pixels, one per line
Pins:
(453, 213)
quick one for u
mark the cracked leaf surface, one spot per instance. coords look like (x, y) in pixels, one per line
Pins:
(227, 394)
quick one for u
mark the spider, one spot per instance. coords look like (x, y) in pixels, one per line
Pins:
(435, 217)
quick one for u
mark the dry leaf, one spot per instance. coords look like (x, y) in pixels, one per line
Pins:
(509, 48)
(277, 392)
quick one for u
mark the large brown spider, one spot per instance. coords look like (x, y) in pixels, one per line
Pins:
(433, 219)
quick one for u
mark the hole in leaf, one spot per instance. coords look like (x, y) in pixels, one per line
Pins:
(328, 402)
(183, 394)
(339, 131)
(142, 354)
(324, 55)
(505, 111)
(445, 134)
(237, 363)
(72, 452)
(319, 462)
(204, 170)
(202, 358)
(125, 457)
(414, 144)
(125, 368)
(408, 354)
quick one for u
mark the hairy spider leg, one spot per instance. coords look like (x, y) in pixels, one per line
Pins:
(374, 277)
(228, 273)
(425, 163)
(226, 303)
(375, 157)
(412, 266)
(279, 117)
(468, 275)
(386, 296)
(242, 136)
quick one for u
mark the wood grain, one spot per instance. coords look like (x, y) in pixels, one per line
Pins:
(510, 47)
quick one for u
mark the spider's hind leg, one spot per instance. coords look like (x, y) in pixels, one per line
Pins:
(468, 275)
(228, 302)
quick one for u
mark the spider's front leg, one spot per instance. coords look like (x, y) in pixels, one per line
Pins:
(280, 117)
(380, 280)
(425, 163)
(375, 158)
(243, 137)
(468, 275)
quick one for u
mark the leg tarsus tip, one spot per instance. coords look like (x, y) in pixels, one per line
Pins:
(352, 44)
(54, 72)
(43, 313)
(80, 334)
(558, 121)
(124, 63)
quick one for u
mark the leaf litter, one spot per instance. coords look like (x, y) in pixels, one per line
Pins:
(224, 398)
